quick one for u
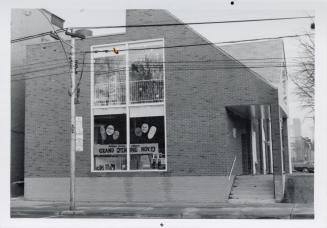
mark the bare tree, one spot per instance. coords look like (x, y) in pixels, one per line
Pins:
(304, 79)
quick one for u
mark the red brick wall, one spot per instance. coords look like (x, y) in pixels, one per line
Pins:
(17, 128)
(198, 129)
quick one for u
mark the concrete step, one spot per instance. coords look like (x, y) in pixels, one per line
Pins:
(243, 201)
(246, 196)
(255, 179)
(252, 193)
(252, 189)
(258, 183)
(253, 182)
(252, 198)
(255, 176)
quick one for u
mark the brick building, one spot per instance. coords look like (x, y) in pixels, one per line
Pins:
(164, 120)
(24, 22)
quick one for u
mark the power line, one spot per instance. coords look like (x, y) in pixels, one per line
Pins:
(203, 63)
(166, 69)
(34, 36)
(39, 70)
(54, 30)
(176, 46)
(40, 76)
(179, 63)
(50, 62)
(192, 23)
(201, 68)
(198, 61)
(201, 44)
(158, 25)
(53, 61)
(81, 75)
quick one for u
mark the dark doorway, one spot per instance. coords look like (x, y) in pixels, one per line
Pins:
(246, 156)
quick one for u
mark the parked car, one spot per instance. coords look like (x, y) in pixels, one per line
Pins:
(306, 167)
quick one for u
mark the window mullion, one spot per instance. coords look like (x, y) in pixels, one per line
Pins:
(127, 112)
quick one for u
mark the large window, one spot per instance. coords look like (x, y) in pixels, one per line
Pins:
(128, 109)
(110, 142)
(109, 79)
(147, 137)
(146, 72)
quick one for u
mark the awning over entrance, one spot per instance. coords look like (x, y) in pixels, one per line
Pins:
(250, 111)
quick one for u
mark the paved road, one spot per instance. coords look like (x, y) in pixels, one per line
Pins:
(21, 208)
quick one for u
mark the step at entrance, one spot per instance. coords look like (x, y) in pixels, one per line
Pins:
(252, 189)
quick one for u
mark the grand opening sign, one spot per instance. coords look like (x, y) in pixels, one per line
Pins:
(149, 148)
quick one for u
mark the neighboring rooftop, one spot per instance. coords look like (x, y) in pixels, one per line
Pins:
(263, 57)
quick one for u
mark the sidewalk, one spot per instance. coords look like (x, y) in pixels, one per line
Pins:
(21, 208)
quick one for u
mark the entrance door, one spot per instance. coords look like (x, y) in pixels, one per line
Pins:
(246, 156)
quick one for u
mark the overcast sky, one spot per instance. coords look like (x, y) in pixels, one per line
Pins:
(216, 32)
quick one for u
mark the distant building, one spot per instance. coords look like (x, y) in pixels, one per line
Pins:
(24, 22)
(296, 128)
(303, 149)
(295, 135)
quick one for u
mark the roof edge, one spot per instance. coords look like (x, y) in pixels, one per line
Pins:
(223, 52)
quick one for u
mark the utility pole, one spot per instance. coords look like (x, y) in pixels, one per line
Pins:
(73, 128)
(71, 92)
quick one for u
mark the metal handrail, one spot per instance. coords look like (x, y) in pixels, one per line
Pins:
(231, 170)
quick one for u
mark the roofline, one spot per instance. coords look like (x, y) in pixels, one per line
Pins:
(222, 51)
(251, 42)
(47, 11)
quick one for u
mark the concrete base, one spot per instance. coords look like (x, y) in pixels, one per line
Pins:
(299, 188)
(73, 212)
(279, 182)
(204, 189)
(17, 188)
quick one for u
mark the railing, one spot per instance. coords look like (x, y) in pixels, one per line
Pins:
(109, 93)
(113, 93)
(146, 91)
(231, 170)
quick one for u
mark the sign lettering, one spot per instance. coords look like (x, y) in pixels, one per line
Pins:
(150, 148)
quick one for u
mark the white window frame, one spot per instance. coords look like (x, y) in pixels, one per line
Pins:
(106, 109)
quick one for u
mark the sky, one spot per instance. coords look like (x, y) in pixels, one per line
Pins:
(218, 33)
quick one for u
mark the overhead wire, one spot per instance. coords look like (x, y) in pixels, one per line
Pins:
(153, 64)
(54, 30)
(185, 45)
(20, 39)
(38, 70)
(193, 23)
(174, 63)
(158, 25)
(166, 69)
(175, 46)
(40, 76)
(53, 61)
(194, 45)
(81, 74)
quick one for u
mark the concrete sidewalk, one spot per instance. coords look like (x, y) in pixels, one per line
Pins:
(21, 208)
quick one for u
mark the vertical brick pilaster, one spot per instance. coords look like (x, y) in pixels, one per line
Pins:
(276, 139)
(286, 157)
(277, 148)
